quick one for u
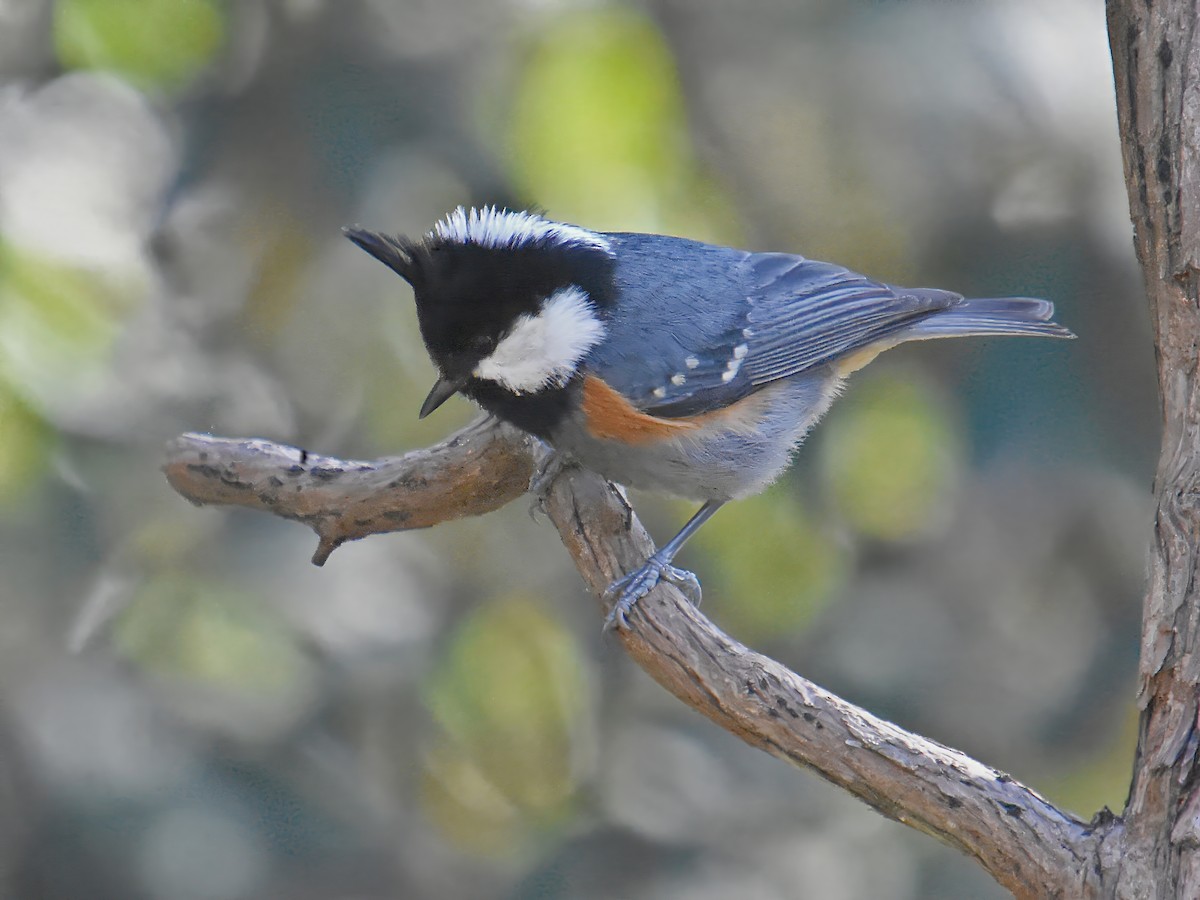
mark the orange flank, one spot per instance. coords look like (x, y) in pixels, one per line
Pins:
(611, 417)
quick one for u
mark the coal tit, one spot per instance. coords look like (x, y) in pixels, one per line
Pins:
(659, 362)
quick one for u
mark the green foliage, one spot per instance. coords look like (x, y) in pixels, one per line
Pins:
(25, 447)
(57, 328)
(66, 308)
(891, 457)
(207, 632)
(58, 324)
(510, 695)
(152, 43)
(772, 568)
(599, 133)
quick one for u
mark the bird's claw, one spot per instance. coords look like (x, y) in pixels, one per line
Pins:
(624, 593)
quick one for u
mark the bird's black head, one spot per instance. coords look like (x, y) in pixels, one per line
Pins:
(508, 302)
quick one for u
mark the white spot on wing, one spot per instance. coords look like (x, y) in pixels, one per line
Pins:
(544, 350)
(734, 364)
(691, 362)
(678, 378)
(500, 229)
(659, 392)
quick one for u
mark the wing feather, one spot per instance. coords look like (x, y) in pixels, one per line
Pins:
(714, 325)
(804, 313)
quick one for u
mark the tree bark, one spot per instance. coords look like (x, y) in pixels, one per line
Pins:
(1156, 63)
(1152, 851)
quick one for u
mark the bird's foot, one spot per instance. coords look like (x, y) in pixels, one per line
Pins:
(624, 593)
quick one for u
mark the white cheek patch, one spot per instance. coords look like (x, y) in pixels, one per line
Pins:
(544, 350)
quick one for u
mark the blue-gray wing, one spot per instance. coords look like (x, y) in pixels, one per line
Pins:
(681, 310)
(804, 313)
(701, 327)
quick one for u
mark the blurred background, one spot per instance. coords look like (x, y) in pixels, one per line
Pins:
(190, 711)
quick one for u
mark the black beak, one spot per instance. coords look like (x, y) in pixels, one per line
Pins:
(392, 252)
(443, 389)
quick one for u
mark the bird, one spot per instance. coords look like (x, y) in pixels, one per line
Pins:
(659, 362)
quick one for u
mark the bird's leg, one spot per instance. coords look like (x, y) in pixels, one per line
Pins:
(627, 591)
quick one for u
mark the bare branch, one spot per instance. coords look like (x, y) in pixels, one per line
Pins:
(479, 469)
(1027, 844)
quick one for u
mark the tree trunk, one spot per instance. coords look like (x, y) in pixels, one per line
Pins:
(1156, 62)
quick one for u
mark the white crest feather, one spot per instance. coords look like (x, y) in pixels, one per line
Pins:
(545, 349)
(499, 229)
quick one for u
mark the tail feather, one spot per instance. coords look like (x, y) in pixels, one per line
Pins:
(991, 315)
